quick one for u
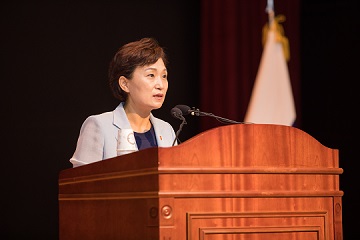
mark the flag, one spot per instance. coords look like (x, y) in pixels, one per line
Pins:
(272, 99)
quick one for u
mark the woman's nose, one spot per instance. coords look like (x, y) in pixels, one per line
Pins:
(159, 83)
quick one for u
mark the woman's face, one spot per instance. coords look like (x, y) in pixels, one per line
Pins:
(148, 86)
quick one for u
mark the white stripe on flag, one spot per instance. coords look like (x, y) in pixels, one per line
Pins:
(272, 100)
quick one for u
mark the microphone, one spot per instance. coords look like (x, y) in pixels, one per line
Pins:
(185, 110)
(177, 113)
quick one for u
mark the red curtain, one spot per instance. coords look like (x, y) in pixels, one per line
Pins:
(231, 48)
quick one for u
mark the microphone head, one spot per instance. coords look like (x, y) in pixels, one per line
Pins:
(176, 112)
(184, 109)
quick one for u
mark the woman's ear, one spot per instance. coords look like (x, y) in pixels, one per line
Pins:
(123, 83)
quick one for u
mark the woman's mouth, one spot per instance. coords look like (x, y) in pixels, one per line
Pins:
(158, 96)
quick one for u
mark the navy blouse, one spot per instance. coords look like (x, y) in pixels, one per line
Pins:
(146, 139)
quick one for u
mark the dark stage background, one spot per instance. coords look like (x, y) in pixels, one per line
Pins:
(54, 60)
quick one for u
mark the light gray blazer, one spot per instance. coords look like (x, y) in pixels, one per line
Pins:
(98, 136)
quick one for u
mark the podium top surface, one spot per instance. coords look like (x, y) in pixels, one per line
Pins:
(230, 146)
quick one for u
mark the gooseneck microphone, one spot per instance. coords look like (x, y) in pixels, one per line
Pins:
(177, 113)
(185, 110)
(180, 110)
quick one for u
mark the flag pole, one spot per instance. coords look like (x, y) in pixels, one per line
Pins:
(270, 11)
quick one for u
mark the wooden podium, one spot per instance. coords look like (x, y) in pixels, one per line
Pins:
(243, 182)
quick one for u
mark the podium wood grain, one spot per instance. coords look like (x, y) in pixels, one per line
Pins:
(235, 182)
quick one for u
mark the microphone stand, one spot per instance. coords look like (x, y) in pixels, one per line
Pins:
(180, 128)
(197, 112)
(179, 110)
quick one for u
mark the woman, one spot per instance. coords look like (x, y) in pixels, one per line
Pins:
(138, 78)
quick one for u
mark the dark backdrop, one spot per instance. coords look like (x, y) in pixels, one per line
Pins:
(54, 59)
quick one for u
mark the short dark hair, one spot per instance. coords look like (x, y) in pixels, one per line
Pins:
(130, 56)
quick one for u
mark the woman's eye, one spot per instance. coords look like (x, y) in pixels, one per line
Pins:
(164, 76)
(151, 75)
